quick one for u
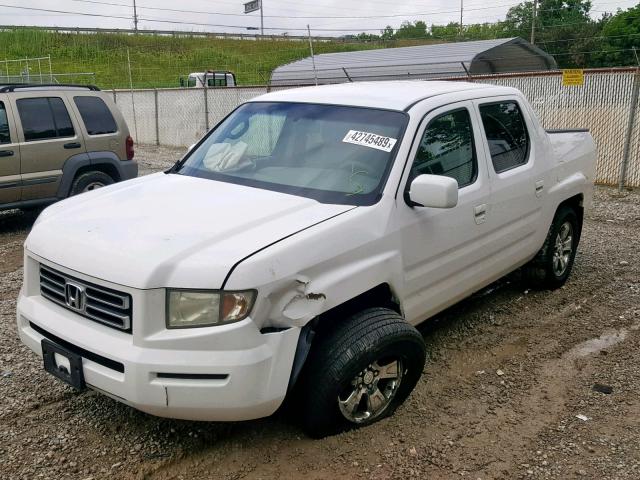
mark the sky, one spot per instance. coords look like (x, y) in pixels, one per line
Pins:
(280, 15)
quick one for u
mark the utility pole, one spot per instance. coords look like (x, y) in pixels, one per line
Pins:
(261, 20)
(533, 22)
(313, 59)
(135, 16)
(461, 5)
(133, 100)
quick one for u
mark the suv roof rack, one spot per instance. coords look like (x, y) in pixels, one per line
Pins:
(45, 86)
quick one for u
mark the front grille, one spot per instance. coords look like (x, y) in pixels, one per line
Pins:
(92, 301)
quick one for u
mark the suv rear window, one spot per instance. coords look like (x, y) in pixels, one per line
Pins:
(4, 125)
(96, 115)
(44, 118)
(507, 135)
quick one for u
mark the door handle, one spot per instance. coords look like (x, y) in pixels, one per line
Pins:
(539, 187)
(71, 145)
(6, 153)
(480, 213)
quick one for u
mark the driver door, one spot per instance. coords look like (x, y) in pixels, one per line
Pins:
(444, 251)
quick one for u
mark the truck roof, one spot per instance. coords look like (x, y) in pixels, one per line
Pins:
(391, 95)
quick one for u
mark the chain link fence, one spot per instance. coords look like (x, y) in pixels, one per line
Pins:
(602, 105)
(607, 104)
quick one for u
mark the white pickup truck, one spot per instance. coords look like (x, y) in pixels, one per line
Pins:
(294, 248)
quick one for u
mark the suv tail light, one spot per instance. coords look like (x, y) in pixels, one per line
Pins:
(129, 147)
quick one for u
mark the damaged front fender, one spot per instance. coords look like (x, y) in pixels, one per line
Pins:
(303, 304)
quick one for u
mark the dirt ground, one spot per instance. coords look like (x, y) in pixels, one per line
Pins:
(512, 389)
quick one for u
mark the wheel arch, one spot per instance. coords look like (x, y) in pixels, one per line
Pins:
(576, 203)
(105, 162)
(380, 295)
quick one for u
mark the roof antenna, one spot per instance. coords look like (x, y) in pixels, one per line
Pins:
(347, 75)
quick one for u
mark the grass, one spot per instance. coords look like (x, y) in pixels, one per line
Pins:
(156, 61)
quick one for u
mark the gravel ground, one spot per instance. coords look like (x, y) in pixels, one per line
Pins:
(513, 389)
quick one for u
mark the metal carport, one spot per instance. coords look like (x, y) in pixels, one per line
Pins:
(419, 62)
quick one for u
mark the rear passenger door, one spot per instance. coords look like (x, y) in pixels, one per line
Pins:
(48, 137)
(517, 178)
(9, 155)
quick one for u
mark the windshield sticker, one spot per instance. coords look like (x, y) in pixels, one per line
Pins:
(370, 140)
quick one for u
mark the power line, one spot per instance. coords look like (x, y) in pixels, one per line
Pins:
(343, 30)
(307, 17)
(179, 22)
(64, 11)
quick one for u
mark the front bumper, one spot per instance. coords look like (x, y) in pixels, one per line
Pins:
(223, 373)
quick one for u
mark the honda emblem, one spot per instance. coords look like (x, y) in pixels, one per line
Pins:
(75, 297)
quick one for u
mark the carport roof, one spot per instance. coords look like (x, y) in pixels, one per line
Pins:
(419, 62)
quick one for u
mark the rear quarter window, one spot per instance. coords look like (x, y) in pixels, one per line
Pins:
(96, 116)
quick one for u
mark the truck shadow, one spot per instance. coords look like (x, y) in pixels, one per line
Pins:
(472, 308)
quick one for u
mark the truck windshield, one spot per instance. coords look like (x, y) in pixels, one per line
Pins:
(334, 154)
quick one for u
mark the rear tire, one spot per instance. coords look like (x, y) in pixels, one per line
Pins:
(552, 266)
(90, 181)
(359, 372)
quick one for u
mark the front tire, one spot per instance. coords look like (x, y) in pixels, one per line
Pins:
(552, 266)
(360, 372)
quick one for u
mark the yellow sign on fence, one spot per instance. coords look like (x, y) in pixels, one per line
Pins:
(572, 77)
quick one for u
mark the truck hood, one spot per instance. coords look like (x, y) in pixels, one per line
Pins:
(169, 230)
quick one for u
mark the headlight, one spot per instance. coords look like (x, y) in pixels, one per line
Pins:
(193, 308)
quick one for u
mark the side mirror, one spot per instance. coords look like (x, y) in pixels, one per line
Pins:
(435, 191)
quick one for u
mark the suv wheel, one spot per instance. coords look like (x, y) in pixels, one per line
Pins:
(552, 265)
(90, 181)
(360, 372)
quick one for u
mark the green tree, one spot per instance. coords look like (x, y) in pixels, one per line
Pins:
(412, 30)
(367, 37)
(446, 33)
(563, 28)
(622, 35)
(388, 33)
(483, 31)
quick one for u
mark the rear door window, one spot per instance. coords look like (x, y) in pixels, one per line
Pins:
(44, 118)
(506, 133)
(5, 136)
(96, 116)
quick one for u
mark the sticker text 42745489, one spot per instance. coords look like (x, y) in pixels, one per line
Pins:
(370, 140)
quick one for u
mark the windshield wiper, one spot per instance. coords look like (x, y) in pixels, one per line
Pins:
(176, 166)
